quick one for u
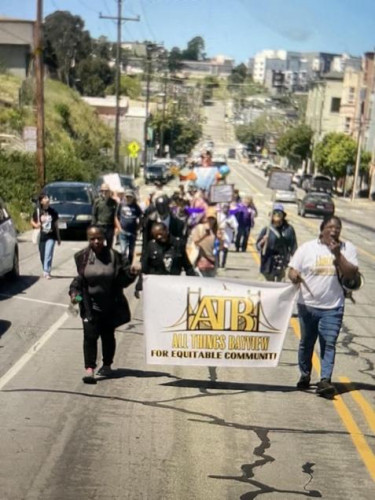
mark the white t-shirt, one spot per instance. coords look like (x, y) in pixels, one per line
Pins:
(228, 224)
(315, 262)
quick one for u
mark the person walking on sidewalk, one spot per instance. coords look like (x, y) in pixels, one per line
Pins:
(104, 214)
(318, 266)
(98, 288)
(46, 218)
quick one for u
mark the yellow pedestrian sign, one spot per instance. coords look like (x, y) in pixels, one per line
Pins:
(133, 148)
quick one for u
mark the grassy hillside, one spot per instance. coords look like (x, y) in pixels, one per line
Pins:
(75, 140)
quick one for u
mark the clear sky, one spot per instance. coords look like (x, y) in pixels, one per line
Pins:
(237, 28)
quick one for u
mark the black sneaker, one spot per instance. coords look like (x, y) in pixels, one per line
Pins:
(304, 382)
(325, 388)
(105, 371)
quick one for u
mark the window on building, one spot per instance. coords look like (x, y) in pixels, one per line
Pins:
(347, 125)
(351, 94)
(335, 104)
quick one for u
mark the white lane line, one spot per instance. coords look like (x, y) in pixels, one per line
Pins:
(45, 302)
(17, 367)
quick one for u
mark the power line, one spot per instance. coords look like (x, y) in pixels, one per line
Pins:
(119, 19)
(144, 16)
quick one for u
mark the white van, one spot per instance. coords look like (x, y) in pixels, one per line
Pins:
(9, 264)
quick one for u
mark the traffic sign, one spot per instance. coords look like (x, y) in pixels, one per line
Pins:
(133, 148)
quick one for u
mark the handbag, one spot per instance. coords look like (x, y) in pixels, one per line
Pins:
(35, 238)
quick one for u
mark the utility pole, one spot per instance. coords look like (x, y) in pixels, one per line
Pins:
(39, 97)
(359, 150)
(161, 151)
(119, 20)
(150, 49)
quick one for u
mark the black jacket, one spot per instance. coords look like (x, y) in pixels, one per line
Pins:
(176, 228)
(169, 259)
(123, 278)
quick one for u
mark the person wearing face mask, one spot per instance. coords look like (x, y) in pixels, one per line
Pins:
(276, 243)
(45, 218)
(317, 267)
(98, 289)
(165, 255)
(104, 214)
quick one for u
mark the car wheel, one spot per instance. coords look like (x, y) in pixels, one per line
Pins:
(15, 272)
(303, 213)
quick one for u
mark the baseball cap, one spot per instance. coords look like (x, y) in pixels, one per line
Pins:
(129, 192)
(211, 212)
(278, 207)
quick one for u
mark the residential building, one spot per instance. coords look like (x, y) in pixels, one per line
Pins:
(16, 45)
(369, 101)
(268, 60)
(340, 63)
(220, 66)
(323, 105)
(351, 101)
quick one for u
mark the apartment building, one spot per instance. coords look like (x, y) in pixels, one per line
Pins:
(324, 104)
(16, 45)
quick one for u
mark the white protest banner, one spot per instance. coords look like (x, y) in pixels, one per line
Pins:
(209, 322)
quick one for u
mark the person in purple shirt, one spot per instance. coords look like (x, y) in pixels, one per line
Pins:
(245, 213)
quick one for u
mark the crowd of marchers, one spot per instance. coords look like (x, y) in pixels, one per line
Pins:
(187, 232)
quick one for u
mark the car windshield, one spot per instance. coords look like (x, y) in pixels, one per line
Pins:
(71, 194)
(319, 197)
(127, 182)
(155, 169)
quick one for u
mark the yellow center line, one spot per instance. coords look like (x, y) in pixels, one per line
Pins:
(364, 405)
(347, 418)
(356, 435)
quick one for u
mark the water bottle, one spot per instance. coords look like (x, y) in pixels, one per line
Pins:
(73, 307)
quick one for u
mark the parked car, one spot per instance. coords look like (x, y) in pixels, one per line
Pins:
(9, 261)
(232, 153)
(318, 182)
(156, 172)
(73, 201)
(269, 167)
(316, 204)
(287, 196)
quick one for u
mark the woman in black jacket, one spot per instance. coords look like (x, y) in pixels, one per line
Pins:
(102, 275)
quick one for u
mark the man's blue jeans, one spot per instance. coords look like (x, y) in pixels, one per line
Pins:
(324, 324)
(127, 244)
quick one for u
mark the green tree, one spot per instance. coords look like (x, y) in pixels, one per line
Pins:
(194, 50)
(66, 44)
(260, 130)
(295, 143)
(129, 86)
(179, 133)
(174, 61)
(94, 76)
(238, 74)
(101, 48)
(334, 153)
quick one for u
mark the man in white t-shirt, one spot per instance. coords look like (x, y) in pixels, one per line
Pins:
(316, 265)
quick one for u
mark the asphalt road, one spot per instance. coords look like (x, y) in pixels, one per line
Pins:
(176, 432)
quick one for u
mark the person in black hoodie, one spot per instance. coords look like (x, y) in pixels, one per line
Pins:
(98, 288)
(165, 255)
